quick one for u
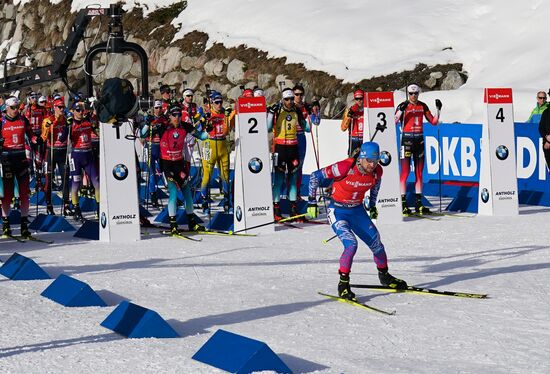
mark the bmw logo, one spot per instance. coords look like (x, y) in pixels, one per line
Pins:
(255, 165)
(484, 195)
(103, 220)
(239, 213)
(120, 172)
(288, 117)
(175, 135)
(502, 152)
(385, 158)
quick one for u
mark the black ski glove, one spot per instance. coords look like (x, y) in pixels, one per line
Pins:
(438, 104)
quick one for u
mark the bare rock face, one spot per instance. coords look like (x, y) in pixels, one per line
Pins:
(264, 80)
(188, 62)
(282, 80)
(193, 79)
(452, 81)
(213, 68)
(235, 71)
(234, 93)
(169, 60)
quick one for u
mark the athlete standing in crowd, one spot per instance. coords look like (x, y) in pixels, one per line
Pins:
(285, 119)
(35, 112)
(216, 150)
(353, 122)
(172, 143)
(150, 132)
(82, 156)
(14, 165)
(53, 129)
(348, 214)
(308, 113)
(411, 113)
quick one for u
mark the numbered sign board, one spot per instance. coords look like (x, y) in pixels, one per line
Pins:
(498, 187)
(253, 197)
(379, 111)
(119, 209)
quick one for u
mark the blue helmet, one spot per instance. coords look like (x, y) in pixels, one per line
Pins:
(370, 151)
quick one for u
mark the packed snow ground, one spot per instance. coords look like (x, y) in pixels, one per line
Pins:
(266, 288)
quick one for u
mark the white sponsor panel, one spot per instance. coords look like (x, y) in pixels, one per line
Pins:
(498, 188)
(380, 111)
(119, 208)
(253, 201)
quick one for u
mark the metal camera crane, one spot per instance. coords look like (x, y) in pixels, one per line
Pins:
(63, 55)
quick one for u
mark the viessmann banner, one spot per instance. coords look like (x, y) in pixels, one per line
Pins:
(460, 154)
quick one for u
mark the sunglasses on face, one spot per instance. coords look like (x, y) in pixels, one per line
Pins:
(298, 94)
(217, 102)
(60, 107)
(541, 97)
(188, 95)
(359, 98)
(413, 93)
(78, 110)
(14, 107)
(287, 99)
(157, 107)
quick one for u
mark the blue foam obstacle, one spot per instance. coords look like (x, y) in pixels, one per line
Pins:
(19, 267)
(40, 199)
(87, 204)
(71, 292)
(49, 223)
(134, 321)
(144, 212)
(14, 218)
(88, 230)
(239, 354)
(222, 221)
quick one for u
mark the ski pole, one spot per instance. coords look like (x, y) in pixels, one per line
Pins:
(439, 173)
(329, 239)
(268, 223)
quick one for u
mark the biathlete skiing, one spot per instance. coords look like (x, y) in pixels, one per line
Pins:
(348, 215)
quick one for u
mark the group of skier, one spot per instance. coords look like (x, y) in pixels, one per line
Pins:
(170, 133)
(34, 138)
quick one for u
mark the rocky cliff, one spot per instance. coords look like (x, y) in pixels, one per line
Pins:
(36, 27)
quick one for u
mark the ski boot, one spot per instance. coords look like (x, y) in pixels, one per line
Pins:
(78, 214)
(277, 212)
(193, 224)
(294, 212)
(174, 226)
(406, 210)
(154, 199)
(205, 206)
(49, 209)
(67, 211)
(386, 279)
(419, 208)
(6, 229)
(25, 233)
(344, 290)
(226, 203)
